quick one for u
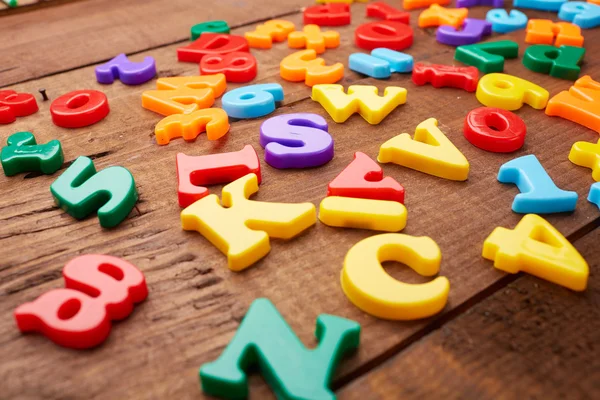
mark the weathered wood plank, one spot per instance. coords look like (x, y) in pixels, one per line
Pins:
(195, 303)
(56, 39)
(531, 339)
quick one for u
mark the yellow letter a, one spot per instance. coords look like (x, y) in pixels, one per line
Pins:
(361, 99)
(536, 247)
(241, 227)
(430, 152)
(587, 155)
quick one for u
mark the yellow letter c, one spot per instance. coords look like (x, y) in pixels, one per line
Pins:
(370, 288)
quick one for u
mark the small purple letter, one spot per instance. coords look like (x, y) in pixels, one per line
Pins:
(472, 31)
(296, 141)
(473, 3)
(130, 73)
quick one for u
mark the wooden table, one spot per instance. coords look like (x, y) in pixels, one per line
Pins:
(500, 336)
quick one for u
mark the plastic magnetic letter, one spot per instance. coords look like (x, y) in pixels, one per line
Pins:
(237, 67)
(430, 152)
(544, 5)
(594, 196)
(509, 92)
(80, 190)
(312, 38)
(332, 14)
(13, 105)
(370, 288)
(290, 369)
(184, 94)
(503, 22)
(23, 154)
(472, 31)
(360, 99)
(388, 34)
(99, 289)
(385, 11)
(581, 104)
(473, 3)
(212, 120)
(376, 215)
(399, 62)
(240, 228)
(252, 101)
(193, 172)
(275, 30)
(211, 44)
(128, 72)
(489, 56)
(437, 16)
(560, 63)
(495, 130)
(585, 15)
(587, 154)
(539, 194)
(363, 178)
(536, 247)
(217, 26)
(415, 4)
(304, 65)
(446, 76)
(544, 31)
(341, 1)
(381, 63)
(296, 141)
(369, 65)
(79, 108)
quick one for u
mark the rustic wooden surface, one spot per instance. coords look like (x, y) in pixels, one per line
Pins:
(195, 302)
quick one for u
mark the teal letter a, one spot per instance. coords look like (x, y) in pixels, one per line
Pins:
(292, 370)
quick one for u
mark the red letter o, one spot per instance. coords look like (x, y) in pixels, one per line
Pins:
(389, 34)
(79, 108)
(495, 130)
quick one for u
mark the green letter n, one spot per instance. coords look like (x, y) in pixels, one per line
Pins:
(292, 370)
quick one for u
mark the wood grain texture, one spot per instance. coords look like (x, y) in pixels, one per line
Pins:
(68, 36)
(31, 5)
(532, 339)
(195, 302)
